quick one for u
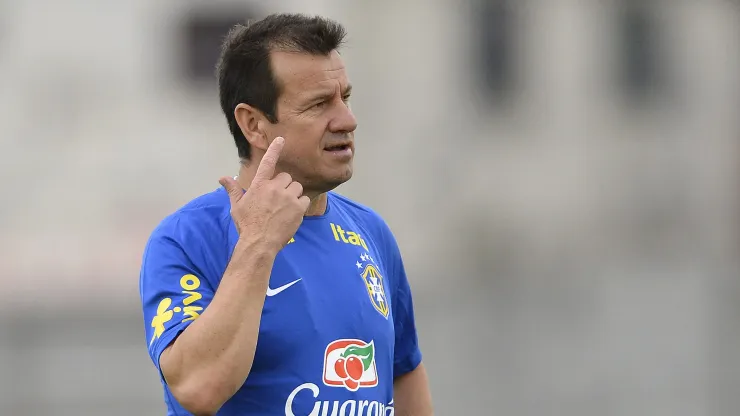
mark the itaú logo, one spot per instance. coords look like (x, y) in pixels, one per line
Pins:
(335, 408)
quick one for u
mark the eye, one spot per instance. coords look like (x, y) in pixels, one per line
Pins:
(346, 98)
(319, 105)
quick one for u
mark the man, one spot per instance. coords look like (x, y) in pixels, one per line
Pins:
(285, 298)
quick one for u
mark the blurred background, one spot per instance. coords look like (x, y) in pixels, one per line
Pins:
(563, 177)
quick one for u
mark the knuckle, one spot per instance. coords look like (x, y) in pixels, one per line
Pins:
(272, 189)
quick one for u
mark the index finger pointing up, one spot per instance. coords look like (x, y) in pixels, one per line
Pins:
(266, 168)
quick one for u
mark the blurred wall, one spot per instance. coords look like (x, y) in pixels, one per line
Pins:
(562, 177)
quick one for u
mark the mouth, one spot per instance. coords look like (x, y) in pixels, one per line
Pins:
(338, 147)
(341, 151)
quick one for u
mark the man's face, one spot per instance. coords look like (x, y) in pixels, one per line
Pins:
(314, 118)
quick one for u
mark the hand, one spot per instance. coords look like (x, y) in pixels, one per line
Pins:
(272, 209)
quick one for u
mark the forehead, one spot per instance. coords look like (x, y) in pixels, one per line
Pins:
(302, 74)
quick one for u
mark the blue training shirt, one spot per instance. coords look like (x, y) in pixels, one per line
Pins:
(337, 324)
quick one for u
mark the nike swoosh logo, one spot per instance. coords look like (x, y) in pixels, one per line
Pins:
(273, 292)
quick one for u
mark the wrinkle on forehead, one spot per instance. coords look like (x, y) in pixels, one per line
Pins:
(302, 73)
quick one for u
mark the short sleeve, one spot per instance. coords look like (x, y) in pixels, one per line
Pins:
(407, 355)
(173, 291)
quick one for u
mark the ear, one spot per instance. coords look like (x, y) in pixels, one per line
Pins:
(252, 123)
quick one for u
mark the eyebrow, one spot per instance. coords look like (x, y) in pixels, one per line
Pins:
(326, 94)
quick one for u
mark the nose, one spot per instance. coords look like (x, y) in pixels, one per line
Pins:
(344, 120)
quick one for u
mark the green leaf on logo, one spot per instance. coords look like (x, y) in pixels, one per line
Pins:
(365, 354)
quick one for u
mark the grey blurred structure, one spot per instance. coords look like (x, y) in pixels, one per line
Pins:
(562, 177)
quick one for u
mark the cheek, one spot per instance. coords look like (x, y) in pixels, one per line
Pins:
(310, 136)
(304, 138)
(303, 149)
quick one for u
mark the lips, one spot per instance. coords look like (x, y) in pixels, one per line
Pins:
(338, 146)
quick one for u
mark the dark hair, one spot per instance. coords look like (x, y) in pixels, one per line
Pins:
(244, 72)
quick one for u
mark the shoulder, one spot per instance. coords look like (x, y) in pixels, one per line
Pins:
(191, 240)
(364, 215)
(201, 221)
(358, 211)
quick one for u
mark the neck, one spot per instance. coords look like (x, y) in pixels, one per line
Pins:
(319, 200)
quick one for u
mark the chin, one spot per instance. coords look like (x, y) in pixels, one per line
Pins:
(332, 182)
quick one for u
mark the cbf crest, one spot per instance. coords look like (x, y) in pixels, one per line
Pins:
(374, 283)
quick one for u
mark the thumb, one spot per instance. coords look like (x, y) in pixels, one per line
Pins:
(233, 188)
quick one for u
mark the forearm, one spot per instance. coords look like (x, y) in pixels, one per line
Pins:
(411, 394)
(212, 358)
